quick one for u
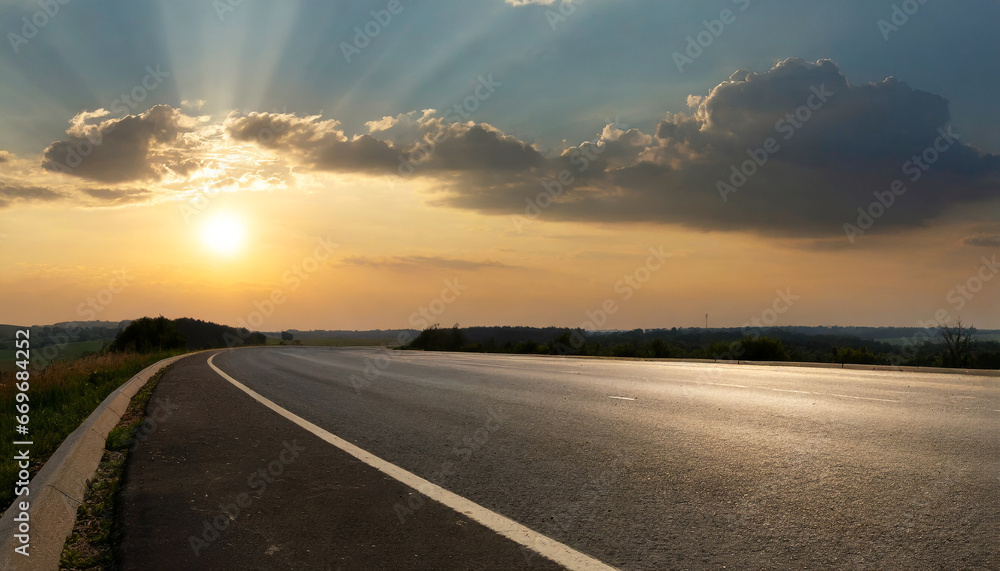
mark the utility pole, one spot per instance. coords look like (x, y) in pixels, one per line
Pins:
(706, 321)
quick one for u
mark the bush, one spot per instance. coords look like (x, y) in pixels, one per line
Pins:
(149, 334)
(763, 349)
(862, 356)
(436, 339)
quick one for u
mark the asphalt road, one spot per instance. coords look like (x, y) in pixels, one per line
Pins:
(668, 465)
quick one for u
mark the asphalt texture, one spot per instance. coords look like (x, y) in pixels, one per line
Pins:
(642, 465)
(221, 482)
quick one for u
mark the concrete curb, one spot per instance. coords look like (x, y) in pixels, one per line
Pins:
(57, 489)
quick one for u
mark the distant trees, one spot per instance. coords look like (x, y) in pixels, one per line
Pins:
(763, 349)
(148, 334)
(862, 356)
(436, 339)
(957, 340)
(958, 346)
(287, 336)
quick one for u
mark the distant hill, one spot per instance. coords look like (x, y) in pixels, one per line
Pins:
(63, 333)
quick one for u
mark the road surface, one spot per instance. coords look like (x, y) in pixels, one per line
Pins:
(641, 465)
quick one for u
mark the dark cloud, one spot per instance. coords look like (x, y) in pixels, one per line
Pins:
(415, 262)
(118, 197)
(431, 145)
(823, 149)
(10, 193)
(983, 241)
(827, 162)
(318, 143)
(119, 150)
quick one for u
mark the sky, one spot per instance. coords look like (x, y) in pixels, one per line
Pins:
(606, 164)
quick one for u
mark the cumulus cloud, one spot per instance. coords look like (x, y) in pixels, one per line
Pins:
(316, 142)
(131, 148)
(830, 148)
(4, 156)
(409, 141)
(828, 160)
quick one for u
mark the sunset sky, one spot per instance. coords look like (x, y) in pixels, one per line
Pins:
(335, 165)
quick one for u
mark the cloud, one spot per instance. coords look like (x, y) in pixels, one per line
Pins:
(4, 156)
(131, 148)
(832, 148)
(983, 240)
(421, 262)
(318, 143)
(13, 192)
(829, 161)
(118, 197)
(410, 142)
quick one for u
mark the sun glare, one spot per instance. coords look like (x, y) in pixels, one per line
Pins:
(223, 234)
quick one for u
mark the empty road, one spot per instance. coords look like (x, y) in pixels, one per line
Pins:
(668, 465)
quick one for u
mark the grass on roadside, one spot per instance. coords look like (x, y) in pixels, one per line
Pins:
(95, 535)
(61, 397)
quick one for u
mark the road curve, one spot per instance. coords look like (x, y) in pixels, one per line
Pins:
(668, 465)
(671, 465)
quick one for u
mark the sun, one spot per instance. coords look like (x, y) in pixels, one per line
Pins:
(223, 234)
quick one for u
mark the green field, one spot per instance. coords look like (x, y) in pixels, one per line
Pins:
(68, 352)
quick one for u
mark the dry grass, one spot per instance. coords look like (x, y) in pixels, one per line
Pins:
(61, 397)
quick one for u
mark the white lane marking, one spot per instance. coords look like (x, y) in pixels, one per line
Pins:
(621, 398)
(780, 390)
(791, 391)
(541, 544)
(854, 397)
